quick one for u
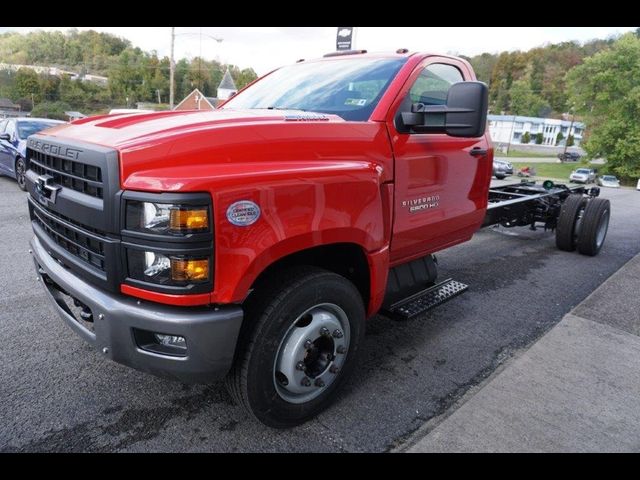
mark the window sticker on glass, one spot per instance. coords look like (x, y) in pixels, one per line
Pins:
(360, 102)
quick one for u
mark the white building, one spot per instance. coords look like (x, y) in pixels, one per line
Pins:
(511, 128)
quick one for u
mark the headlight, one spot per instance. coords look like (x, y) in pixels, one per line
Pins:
(166, 218)
(166, 269)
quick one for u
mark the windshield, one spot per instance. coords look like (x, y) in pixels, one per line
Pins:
(29, 128)
(349, 88)
(582, 170)
(609, 178)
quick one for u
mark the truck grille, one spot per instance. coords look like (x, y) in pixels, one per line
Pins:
(68, 173)
(79, 240)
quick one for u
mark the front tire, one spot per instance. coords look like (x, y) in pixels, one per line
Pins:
(299, 343)
(21, 169)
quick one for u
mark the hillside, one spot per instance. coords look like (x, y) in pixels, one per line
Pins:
(532, 83)
(134, 75)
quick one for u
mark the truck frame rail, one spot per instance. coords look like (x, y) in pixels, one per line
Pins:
(529, 203)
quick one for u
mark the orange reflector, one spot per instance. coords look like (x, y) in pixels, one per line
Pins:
(188, 219)
(184, 270)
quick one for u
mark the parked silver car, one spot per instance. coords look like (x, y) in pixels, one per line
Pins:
(583, 175)
(502, 169)
(608, 181)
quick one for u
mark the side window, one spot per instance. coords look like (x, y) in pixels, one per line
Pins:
(433, 84)
(11, 129)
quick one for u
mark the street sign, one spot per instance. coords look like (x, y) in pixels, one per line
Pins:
(344, 38)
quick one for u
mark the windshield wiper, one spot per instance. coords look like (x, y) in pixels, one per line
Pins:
(286, 108)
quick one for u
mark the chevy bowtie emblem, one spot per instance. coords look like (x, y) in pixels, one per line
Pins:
(46, 190)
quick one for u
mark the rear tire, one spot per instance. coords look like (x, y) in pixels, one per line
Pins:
(594, 226)
(566, 225)
(275, 312)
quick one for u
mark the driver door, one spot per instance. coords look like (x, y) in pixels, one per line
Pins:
(441, 186)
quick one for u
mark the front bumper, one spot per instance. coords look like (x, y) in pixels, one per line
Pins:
(211, 333)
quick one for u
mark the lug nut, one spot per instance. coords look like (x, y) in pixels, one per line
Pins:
(101, 317)
(308, 344)
(319, 382)
(306, 382)
(334, 369)
(105, 350)
(337, 333)
(300, 366)
(324, 331)
(341, 350)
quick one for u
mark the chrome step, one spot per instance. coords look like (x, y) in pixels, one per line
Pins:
(425, 300)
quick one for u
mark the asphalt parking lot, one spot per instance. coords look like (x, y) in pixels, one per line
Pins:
(57, 394)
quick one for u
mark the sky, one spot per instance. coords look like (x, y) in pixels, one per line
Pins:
(266, 48)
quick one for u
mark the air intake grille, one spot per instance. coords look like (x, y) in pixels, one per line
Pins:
(68, 173)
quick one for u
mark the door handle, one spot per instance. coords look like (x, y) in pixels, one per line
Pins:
(478, 152)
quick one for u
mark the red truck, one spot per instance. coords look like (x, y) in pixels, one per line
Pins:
(252, 242)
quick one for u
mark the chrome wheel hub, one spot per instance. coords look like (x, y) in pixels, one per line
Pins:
(311, 353)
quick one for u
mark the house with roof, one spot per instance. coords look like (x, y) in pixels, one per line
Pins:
(9, 109)
(197, 101)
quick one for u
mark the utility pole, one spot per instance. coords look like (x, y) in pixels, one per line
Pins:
(513, 124)
(33, 102)
(171, 68)
(566, 142)
(158, 92)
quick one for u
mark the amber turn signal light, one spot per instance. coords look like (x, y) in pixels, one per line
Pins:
(183, 270)
(183, 219)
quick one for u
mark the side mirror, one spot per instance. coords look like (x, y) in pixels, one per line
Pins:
(5, 136)
(463, 115)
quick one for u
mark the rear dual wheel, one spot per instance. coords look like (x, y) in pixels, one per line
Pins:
(299, 343)
(583, 224)
(594, 226)
(570, 213)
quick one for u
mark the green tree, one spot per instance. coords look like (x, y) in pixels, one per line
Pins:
(539, 138)
(524, 101)
(51, 110)
(26, 84)
(526, 138)
(570, 141)
(560, 137)
(605, 90)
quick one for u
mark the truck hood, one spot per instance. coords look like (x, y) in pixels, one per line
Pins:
(126, 131)
(197, 150)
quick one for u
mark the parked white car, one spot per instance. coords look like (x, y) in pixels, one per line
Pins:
(608, 181)
(638, 187)
(583, 175)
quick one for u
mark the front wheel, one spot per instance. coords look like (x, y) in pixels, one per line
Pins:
(299, 343)
(20, 174)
